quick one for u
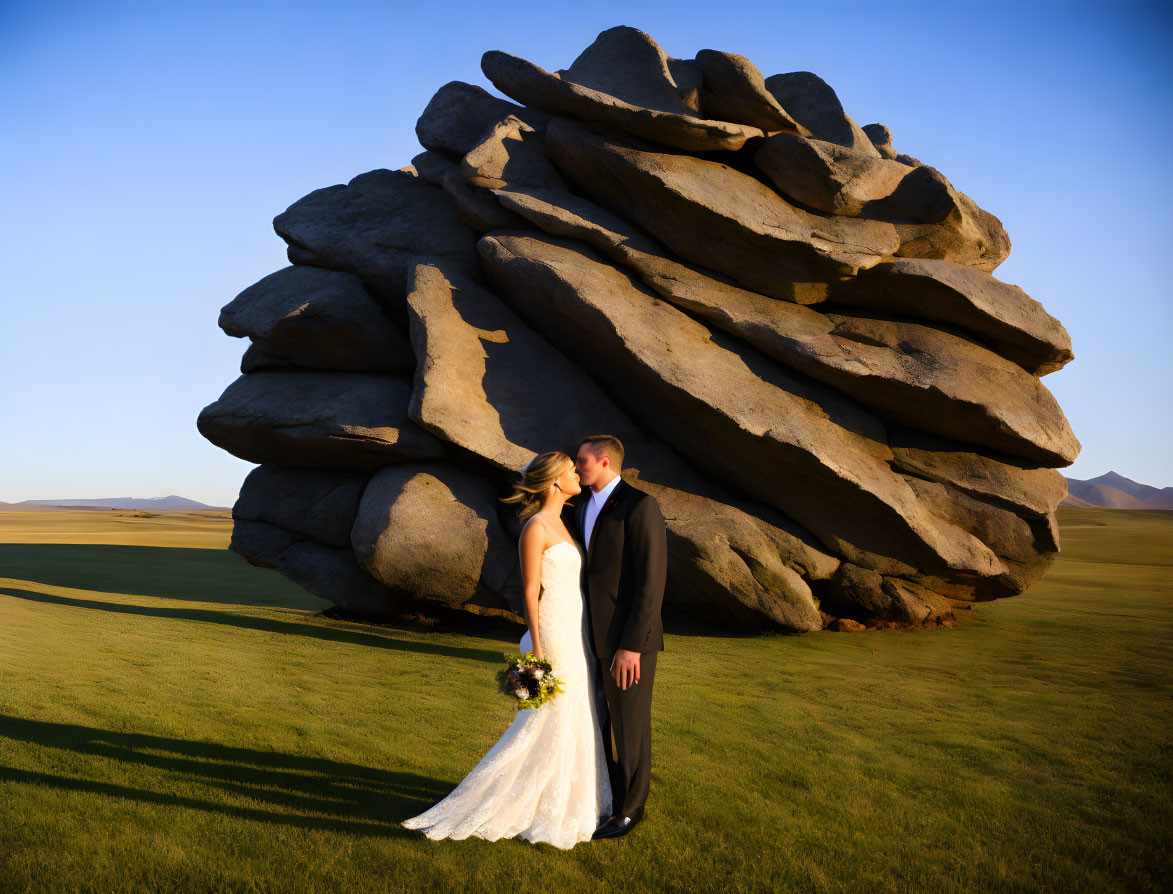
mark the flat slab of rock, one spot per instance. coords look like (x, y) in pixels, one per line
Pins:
(713, 215)
(377, 227)
(881, 138)
(903, 371)
(551, 207)
(511, 155)
(828, 177)
(809, 449)
(318, 318)
(1014, 539)
(490, 385)
(813, 104)
(431, 166)
(921, 196)
(476, 205)
(255, 360)
(459, 114)
(318, 503)
(1008, 320)
(429, 530)
(914, 605)
(966, 234)
(734, 90)
(1027, 491)
(629, 65)
(317, 419)
(635, 82)
(947, 385)
(882, 600)
(745, 566)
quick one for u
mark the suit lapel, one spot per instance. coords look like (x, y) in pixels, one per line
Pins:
(604, 511)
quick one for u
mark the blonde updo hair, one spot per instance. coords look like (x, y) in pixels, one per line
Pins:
(536, 478)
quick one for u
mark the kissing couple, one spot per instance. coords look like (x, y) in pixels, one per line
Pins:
(578, 766)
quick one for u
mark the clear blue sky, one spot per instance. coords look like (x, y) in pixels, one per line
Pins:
(147, 147)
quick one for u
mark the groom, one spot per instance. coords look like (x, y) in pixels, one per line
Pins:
(626, 565)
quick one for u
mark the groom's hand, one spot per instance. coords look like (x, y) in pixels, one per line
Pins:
(625, 668)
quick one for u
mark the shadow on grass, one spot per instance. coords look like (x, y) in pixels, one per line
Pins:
(357, 799)
(269, 625)
(222, 576)
(201, 575)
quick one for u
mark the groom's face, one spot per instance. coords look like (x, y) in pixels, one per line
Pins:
(590, 467)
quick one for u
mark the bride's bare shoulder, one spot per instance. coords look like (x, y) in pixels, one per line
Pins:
(537, 531)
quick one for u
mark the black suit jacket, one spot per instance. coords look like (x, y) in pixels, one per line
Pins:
(625, 570)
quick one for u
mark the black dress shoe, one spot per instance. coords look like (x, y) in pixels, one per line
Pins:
(618, 825)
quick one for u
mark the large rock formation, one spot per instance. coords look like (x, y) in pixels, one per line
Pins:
(793, 327)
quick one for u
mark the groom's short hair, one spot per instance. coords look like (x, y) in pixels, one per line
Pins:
(606, 444)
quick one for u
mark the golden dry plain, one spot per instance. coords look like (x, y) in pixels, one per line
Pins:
(204, 529)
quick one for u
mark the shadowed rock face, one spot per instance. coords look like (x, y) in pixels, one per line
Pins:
(793, 327)
(317, 319)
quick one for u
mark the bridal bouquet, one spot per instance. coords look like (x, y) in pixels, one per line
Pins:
(528, 681)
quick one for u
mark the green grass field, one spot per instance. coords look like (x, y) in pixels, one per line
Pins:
(175, 719)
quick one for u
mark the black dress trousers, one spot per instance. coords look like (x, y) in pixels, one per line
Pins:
(629, 726)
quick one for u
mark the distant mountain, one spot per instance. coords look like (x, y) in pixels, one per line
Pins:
(171, 502)
(33, 507)
(1070, 502)
(1113, 490)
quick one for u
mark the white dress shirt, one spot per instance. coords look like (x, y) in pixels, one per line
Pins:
(594, 506)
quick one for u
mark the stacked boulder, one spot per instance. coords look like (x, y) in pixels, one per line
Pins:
(792, 327)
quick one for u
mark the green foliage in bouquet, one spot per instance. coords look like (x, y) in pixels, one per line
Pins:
(528, 682)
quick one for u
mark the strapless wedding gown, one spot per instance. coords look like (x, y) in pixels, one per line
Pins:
(546, 778)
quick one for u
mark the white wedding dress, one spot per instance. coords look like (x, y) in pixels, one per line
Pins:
(546, 778)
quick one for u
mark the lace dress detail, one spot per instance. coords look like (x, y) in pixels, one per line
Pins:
(546, 778)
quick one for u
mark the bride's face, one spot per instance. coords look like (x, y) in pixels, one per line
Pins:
(568, 480)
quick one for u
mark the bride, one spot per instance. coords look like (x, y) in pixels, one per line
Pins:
(546, 778)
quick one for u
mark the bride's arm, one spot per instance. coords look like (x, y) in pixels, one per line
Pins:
(529, 549)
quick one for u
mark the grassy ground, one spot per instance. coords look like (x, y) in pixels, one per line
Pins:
(176, 719)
